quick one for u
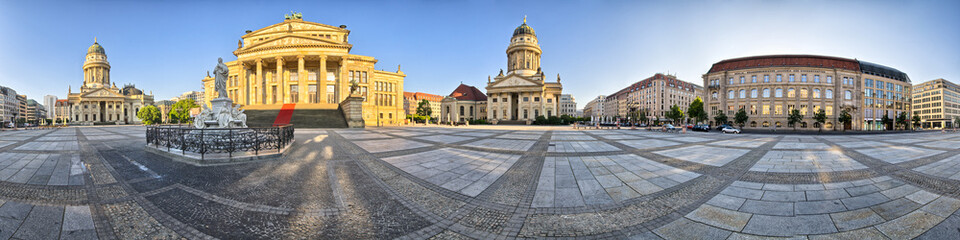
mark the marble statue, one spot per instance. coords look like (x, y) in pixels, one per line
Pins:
(222, 113)
(220, 78)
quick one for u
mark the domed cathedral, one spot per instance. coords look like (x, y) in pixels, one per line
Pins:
(300, 66)
(100, 101)
(521, 94)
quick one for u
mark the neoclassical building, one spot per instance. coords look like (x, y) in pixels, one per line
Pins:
(770, 87)
(99, 100)
(309, 65)
(522, 94)
(463, 104)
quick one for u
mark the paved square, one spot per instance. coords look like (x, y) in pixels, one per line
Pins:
(486, 182)
(805, 161)
(463, 171)
(713, 156)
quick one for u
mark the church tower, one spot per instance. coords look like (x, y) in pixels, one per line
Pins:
(96, 69)
(523, 53)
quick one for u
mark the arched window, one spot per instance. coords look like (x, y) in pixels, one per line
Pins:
(732, 95)
(461, 110)
(816, 93)
(471, 110)
(791, 93)
(847, 95)
(766, 124)
(778, 92)
(766, 92)
(753, 93)
(753, 124)
(743, 93)
(803, 93)
(828, 93)
(714, 95)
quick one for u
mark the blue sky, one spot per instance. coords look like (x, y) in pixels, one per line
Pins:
(597, 47)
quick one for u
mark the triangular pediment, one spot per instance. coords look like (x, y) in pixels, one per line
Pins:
(288, 26)
(515, 81)
(103, 92)
(293, 40)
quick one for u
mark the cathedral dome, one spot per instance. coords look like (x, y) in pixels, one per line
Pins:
(96, 48)
(524, 29)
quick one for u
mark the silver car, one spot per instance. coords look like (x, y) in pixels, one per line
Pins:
(730, 130)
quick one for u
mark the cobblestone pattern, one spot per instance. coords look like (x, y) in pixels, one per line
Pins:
(362, 184)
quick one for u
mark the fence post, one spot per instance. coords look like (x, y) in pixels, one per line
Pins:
(230, 139)
(183, 142)
(202, 145)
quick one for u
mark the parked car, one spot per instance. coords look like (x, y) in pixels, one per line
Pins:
(730, 129)
(702, 128)
(669, 127)
(719, 128)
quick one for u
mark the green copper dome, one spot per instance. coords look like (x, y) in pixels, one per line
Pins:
(96, 48)
(524, 29)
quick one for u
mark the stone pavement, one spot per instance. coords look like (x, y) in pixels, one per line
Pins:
(486, 182)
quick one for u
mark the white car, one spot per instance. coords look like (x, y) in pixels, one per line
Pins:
(730, 130)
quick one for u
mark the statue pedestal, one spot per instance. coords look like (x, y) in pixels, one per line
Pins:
(352, 109)
(218, 103)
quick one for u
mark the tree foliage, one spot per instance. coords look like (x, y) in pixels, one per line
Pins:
(149, 115)
(844, 119)
(696, 110)
(180, 111)
(794, 118)
(820, 117)
(916, 121)
(675, 114)
(720, 118)
(423, 108)
(902, 119)
(886, 121)
(741, 117)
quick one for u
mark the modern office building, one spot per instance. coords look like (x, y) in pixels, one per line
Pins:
(768, 88)
(50, 102)
(9, 106)
(568, 105)
(937, 102)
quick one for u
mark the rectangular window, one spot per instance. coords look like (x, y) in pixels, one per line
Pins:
(294, 76)
(790, 78)
(536, 99)
(549, 100)
(312, 75)
(526, 99)
(829, 110)
(364, 79)
(742, 80)
(778, 110)
(779, 77)
(766, 78)
(766, 109)
(294, 93)
(312, 90)
(816, 78)
(829, 79)
(753, 79)
(331, 94)
(803, 110)
(803, 78)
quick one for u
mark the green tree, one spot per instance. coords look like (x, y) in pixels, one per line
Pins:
(794, 118)
(886, 121)
(149, 115)
(696, 110)
(180, 111)
(916, 121)
(423, 108)
(902, 119)
(844, 119)
(720, 118)
(820, 117)
(675, 114)
(741, 117)
(642, 116)
(956, 121)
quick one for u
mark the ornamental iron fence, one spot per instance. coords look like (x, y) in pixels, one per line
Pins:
(220, 140)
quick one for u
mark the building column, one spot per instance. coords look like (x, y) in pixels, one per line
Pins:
(301, 82)
(322, 80)
(281, 83)
(259, 82)
(244, 95)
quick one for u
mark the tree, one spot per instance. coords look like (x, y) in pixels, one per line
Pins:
(675, 113)
(720, 118)
(886, 121)
(916, 121)
(741, 117)
(794, 118)
(696, 110)
(642, 116)
(180, 111)
(423, 108)
(956, 121)
(820, 117)
(844, 119)
(149, 115)
(902, 119)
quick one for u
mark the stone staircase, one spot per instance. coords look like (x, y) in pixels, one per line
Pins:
(301, 118)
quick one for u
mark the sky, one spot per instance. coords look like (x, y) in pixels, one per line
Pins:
(597, 47)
